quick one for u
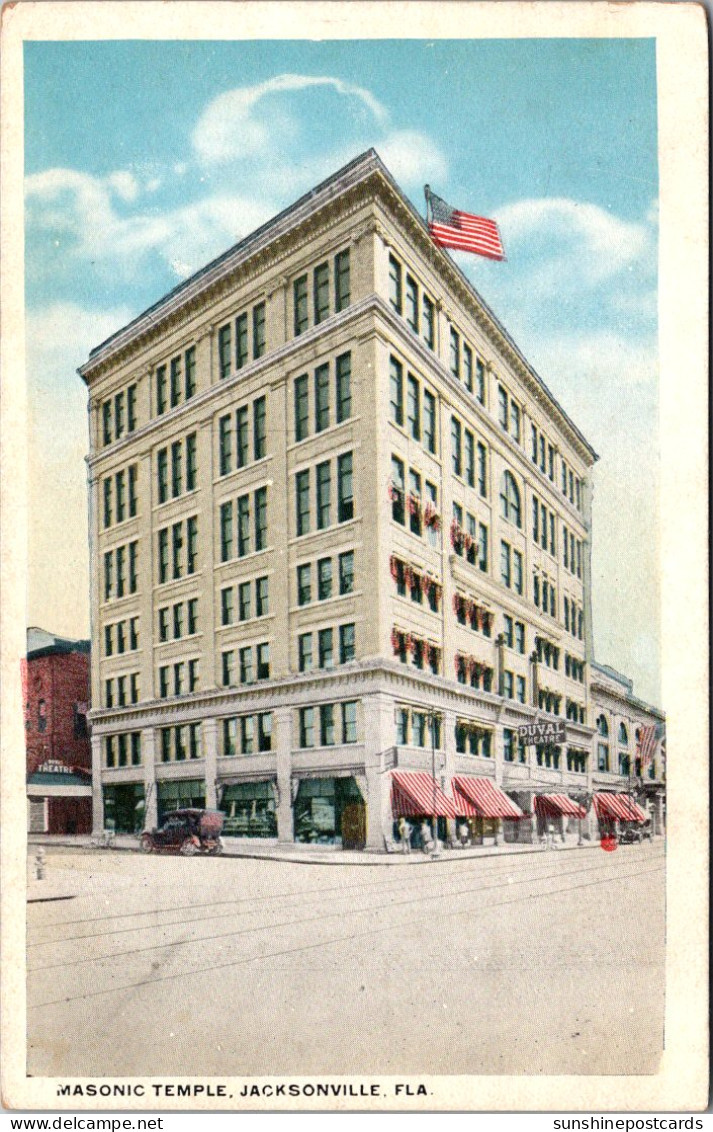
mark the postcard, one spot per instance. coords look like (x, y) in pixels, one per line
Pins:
(354, 468)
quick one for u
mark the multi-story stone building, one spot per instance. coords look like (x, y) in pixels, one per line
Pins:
(340, 536)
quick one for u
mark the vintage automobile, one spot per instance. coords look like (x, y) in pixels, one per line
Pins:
(186, 831)
(634, 833)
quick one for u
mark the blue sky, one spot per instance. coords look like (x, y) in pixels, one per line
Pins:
(145, 159)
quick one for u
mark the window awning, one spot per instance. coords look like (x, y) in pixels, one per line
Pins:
(618, 806)
(481, 798)
(558, 805)
(416, 794)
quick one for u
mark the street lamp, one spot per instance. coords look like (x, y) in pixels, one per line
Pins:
(432, 716)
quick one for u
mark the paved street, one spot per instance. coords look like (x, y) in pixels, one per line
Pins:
(546, 963)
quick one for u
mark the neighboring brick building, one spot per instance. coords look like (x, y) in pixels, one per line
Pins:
(58, 753)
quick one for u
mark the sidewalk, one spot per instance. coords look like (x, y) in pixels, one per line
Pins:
(58, 889)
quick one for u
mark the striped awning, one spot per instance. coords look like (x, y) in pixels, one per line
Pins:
(415, 793)
(558, 805)
(618, 806)
(482, 798)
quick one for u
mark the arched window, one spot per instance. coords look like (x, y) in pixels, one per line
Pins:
(510, 499)
(603, 748)
(623, 735)
(602, 725)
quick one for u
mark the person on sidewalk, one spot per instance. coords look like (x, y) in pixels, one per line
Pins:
(463, 833)
(404, 829)
(426, 837)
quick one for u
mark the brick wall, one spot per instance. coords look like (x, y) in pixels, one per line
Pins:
(55, 683)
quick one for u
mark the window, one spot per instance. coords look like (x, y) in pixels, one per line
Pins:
(302, 502)
(346, 572)
(241, 437)
(623, 735)
(397, 391)
(326, 725)
(161, 475)
(456, 449)
(412, 303)
(226, 531)
(344, 387)
(398, 511)
(520, 689)
(413, 407)
(515, 421)
(468, 367)
(259, 428)
(324, 578)
(161, 390)
(454, 356)
(321, 398)
(508, 685)
(307, 727)
(107, 501)
(301, 407)
(243, 503)
(324, 492)
(429, 421)
(261, 518)
(510, 499)
(304, 584)
(502, 407)
(106, 422)
(517, 571)
(347, 643)
(483, 547)
(304, 652)
(349, 723)
(505, 564)
(119, 416)
(427, 321)
(224, 445)
(224, 351)
(300, 305)
(261, 597)
(133, 499)
(395, 285)
(509, 630)
(241, 341)
(342, 291)
(258, 331)
(176, 468)
(520, 636)
(326, 648)
(244, 601)
(246, 666)
(226, 606)
(120, 558)
(414, 502)
(177, 546)
(469, 458)
(263, 661)
(120, 496)
(345, 490)
(321, 293)
(480, 380)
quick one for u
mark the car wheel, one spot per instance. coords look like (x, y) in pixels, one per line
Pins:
(189, 848)
(146, 844)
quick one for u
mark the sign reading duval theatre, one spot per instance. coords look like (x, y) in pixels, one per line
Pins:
(552, 731)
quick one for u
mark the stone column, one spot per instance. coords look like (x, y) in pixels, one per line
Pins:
(209, 743)
(148, 758)
(145, 491)
(97, 794)
(207, 556)
(282, 728)
(378, 724)
(449, 747)
(499, 757)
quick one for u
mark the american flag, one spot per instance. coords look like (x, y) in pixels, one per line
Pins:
(451, 228)
(647, 741)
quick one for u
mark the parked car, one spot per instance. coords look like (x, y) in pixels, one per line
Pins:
(632, 834)
(186, 831)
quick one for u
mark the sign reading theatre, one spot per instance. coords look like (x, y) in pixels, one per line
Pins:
(552, 731)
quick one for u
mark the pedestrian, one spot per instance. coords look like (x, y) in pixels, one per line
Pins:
(404, 835)
(463, 833)
(551, 843)
(426, 837)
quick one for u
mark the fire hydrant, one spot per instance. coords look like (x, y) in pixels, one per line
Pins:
(40, 864)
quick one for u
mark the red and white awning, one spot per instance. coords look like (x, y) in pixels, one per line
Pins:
(416, 794)
(558, 805)
(481, 798)
(618, 806)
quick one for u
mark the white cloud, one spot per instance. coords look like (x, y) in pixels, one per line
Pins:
(412, 157)
(230, 127)
(574, 241)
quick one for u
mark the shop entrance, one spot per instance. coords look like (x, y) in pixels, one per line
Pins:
(124, 807)
(330, 811)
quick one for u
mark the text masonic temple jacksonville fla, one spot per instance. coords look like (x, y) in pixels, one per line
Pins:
(340, 540)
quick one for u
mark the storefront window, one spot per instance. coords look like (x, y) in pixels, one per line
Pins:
(250, 810)
(328, 811)
(181, 795)
(124, 807)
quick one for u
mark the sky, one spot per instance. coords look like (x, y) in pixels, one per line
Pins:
(143, 160)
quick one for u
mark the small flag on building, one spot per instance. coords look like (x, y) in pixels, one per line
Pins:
(451, 228)
(647, 741)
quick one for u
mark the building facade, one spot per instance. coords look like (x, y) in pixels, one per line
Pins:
(340, 533)
(55, 679)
